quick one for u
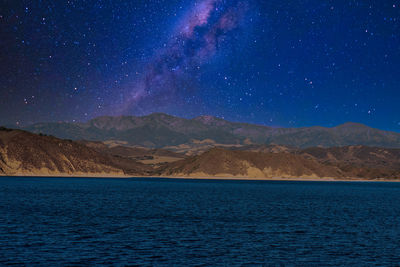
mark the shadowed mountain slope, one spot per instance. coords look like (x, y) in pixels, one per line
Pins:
(24, 153)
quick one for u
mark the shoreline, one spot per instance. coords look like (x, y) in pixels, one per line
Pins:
(325, 179)
(311, 179)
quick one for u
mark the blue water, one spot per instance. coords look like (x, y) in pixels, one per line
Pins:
(68, 221)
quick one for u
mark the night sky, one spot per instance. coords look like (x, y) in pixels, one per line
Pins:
(278, 63)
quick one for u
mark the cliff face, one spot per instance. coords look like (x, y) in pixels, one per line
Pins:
(23, 153)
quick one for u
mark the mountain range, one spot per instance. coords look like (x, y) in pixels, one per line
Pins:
(24, 153)
(160, 130)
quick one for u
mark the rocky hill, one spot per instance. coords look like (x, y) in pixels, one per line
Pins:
(356, 163)
(24, 153)
(161, 130)
(218, 162)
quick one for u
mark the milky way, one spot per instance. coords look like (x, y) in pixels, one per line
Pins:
(197, 38)
(279, 63)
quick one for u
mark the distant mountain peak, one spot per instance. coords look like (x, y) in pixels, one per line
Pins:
(352, 125)
(208, 119)
(159, 115)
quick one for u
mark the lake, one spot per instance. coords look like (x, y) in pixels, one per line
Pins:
(79, 221)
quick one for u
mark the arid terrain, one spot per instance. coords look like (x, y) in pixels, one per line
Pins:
(23, 153)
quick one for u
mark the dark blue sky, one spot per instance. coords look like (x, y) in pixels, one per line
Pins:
(279, 63)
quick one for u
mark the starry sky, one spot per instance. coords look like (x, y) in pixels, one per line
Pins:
(279, 63)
